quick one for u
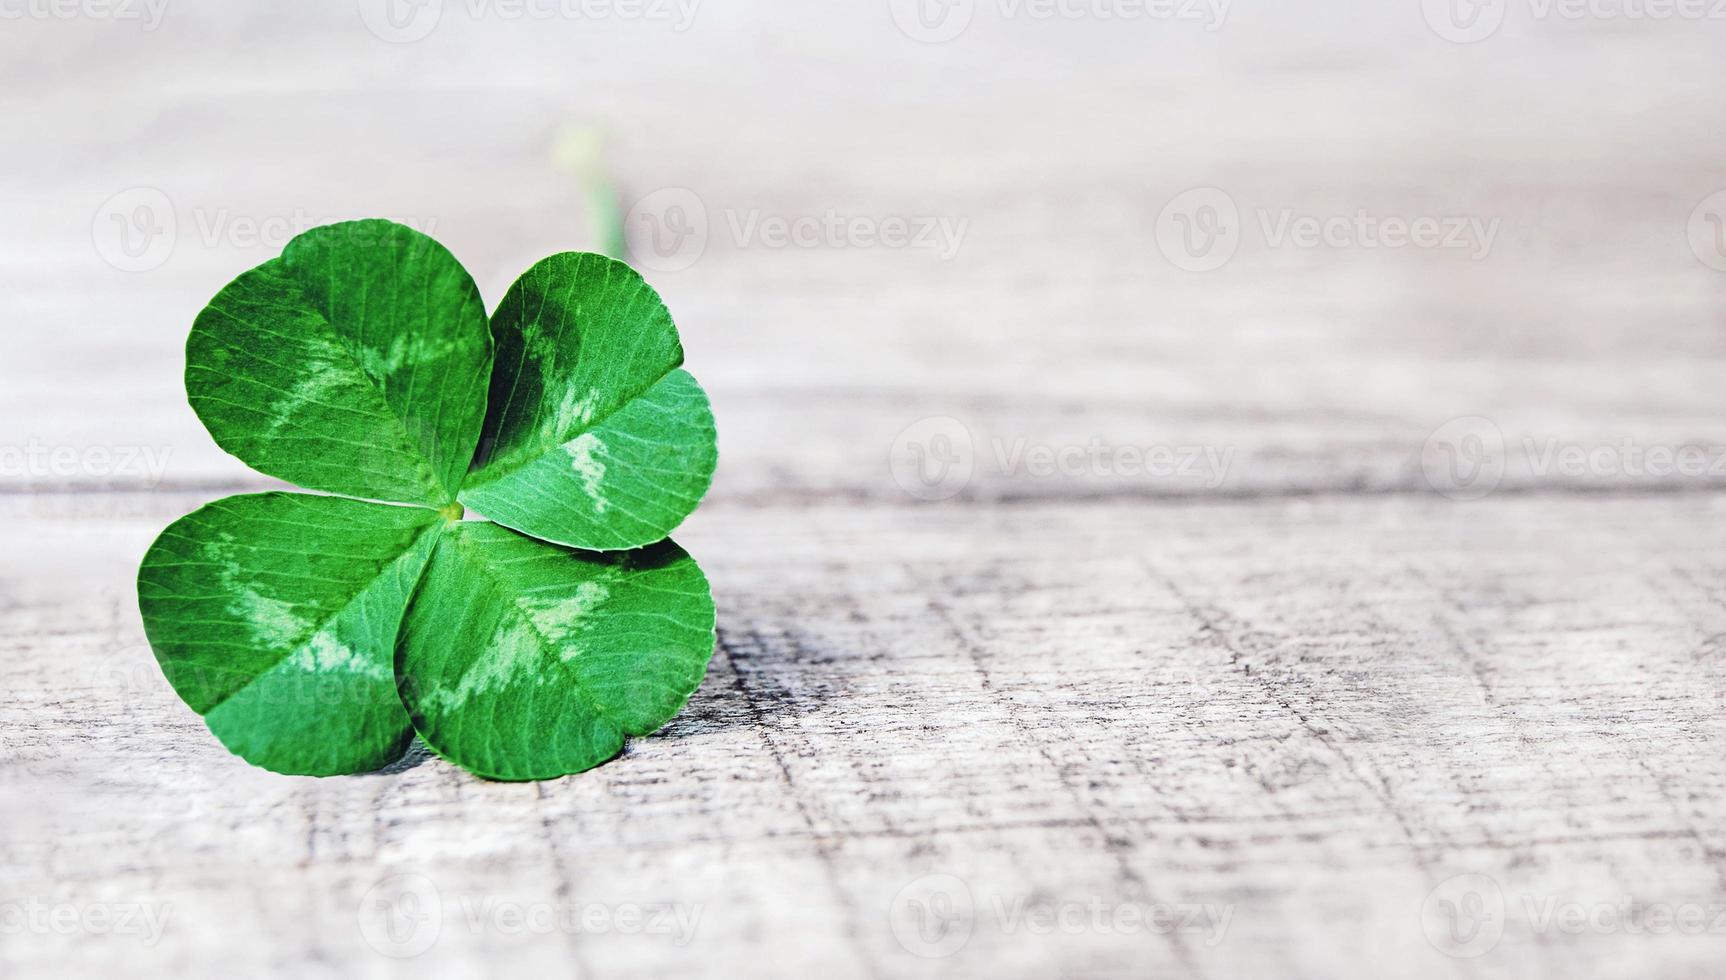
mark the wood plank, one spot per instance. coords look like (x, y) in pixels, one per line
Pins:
(1057, 321)
(1303, 699)
(1304, 714)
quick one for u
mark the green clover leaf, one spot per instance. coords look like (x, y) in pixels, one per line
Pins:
(594, 437)
(573, 655)
(317, 634)
(354, 364)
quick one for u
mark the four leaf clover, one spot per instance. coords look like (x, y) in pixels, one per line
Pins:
(316, 633)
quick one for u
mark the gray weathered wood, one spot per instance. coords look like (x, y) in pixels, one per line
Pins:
(1303, 697)
(1309, 714)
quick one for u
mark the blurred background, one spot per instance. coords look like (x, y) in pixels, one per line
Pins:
(862, 222)
(984, 291)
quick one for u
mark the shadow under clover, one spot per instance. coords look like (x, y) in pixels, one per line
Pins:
(761, 678)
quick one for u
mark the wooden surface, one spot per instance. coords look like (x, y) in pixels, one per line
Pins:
(1308, 712)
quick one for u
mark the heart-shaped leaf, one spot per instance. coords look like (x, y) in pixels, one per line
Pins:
(523, 660)
(275, 617)
(356, 363)
(593, 436)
